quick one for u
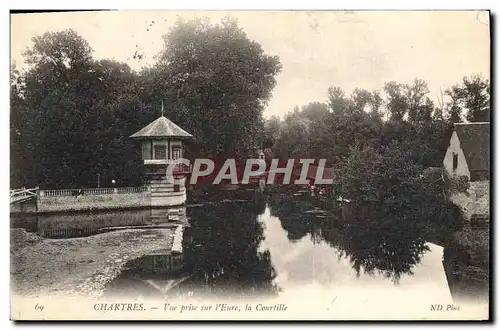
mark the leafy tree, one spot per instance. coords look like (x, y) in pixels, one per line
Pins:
(72, 115)
(397, 103)
(20, 159)
(352, 174)
(223, 78)
(272, 128)
(361, 98)
(76, 113)
(294, 136)
(55, 104)
(420, 107)
(337, 101)
(473, 96)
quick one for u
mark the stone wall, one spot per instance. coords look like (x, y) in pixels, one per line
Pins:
(69, 200)
(472, 198)
(88, 223)
(174, 198)
(93, 202)
(24, 207)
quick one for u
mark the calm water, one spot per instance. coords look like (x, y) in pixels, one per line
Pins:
(69, 225)
(287, 247)
(276, 246)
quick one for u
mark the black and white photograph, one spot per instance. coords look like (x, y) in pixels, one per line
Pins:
(250, 165)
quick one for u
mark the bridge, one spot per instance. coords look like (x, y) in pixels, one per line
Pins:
(21, 195)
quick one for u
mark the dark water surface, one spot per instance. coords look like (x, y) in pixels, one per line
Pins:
(286, 246)
(81, 224)
(279, 245)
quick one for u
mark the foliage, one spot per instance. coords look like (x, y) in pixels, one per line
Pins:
(402, 112)
(72, 115)
(378, 144)
(223, 78)
(473, 96)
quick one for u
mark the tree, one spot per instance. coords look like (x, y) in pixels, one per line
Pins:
(376, 103)
(473, 96)
(18, 139)
(353, 183)
(420, 129)
(397, 102)
(294, 136)
(223, 78)
(453, 110)
(423, 113)
(315, 111)
(417, 101)
(361, 98)
(272, 128)
(60, 50)
(337, 100)
(77, 115)
(56, 99)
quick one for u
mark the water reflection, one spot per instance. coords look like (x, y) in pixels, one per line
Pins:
(467, 267)
(240, 249)
(327, 261)
(221, 257)
(245, 248)
(69, 225)
(324, 243)
(295, 216)
(223, 254)
(382, 248)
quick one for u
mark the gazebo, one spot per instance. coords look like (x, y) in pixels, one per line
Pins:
(161, 145)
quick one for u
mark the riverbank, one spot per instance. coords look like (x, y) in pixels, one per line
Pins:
(466, 261)
(77, 266)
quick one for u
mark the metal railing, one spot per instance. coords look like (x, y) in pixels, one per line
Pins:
(93, 191)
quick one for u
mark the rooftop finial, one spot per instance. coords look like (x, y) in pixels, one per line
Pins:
(162, 107)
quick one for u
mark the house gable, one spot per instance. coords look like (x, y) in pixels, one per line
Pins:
(454, 162)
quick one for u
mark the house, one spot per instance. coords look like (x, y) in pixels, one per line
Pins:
(467, 164)
(468, 154)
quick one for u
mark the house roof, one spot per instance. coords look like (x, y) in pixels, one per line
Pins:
(475, 142)
(161, 127)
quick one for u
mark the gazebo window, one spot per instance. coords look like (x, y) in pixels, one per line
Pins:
(176, 153)
(160, 151)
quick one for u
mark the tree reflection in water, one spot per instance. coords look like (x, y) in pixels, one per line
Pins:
(373, 247)
(222, 254)
(292, 215)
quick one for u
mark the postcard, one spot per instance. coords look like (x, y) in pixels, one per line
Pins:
(250, 165)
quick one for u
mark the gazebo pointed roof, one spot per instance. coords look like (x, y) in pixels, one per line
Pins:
(161, 128)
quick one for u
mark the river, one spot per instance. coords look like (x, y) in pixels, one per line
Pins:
(275, 246)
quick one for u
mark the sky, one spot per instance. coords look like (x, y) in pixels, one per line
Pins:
(317, 49)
